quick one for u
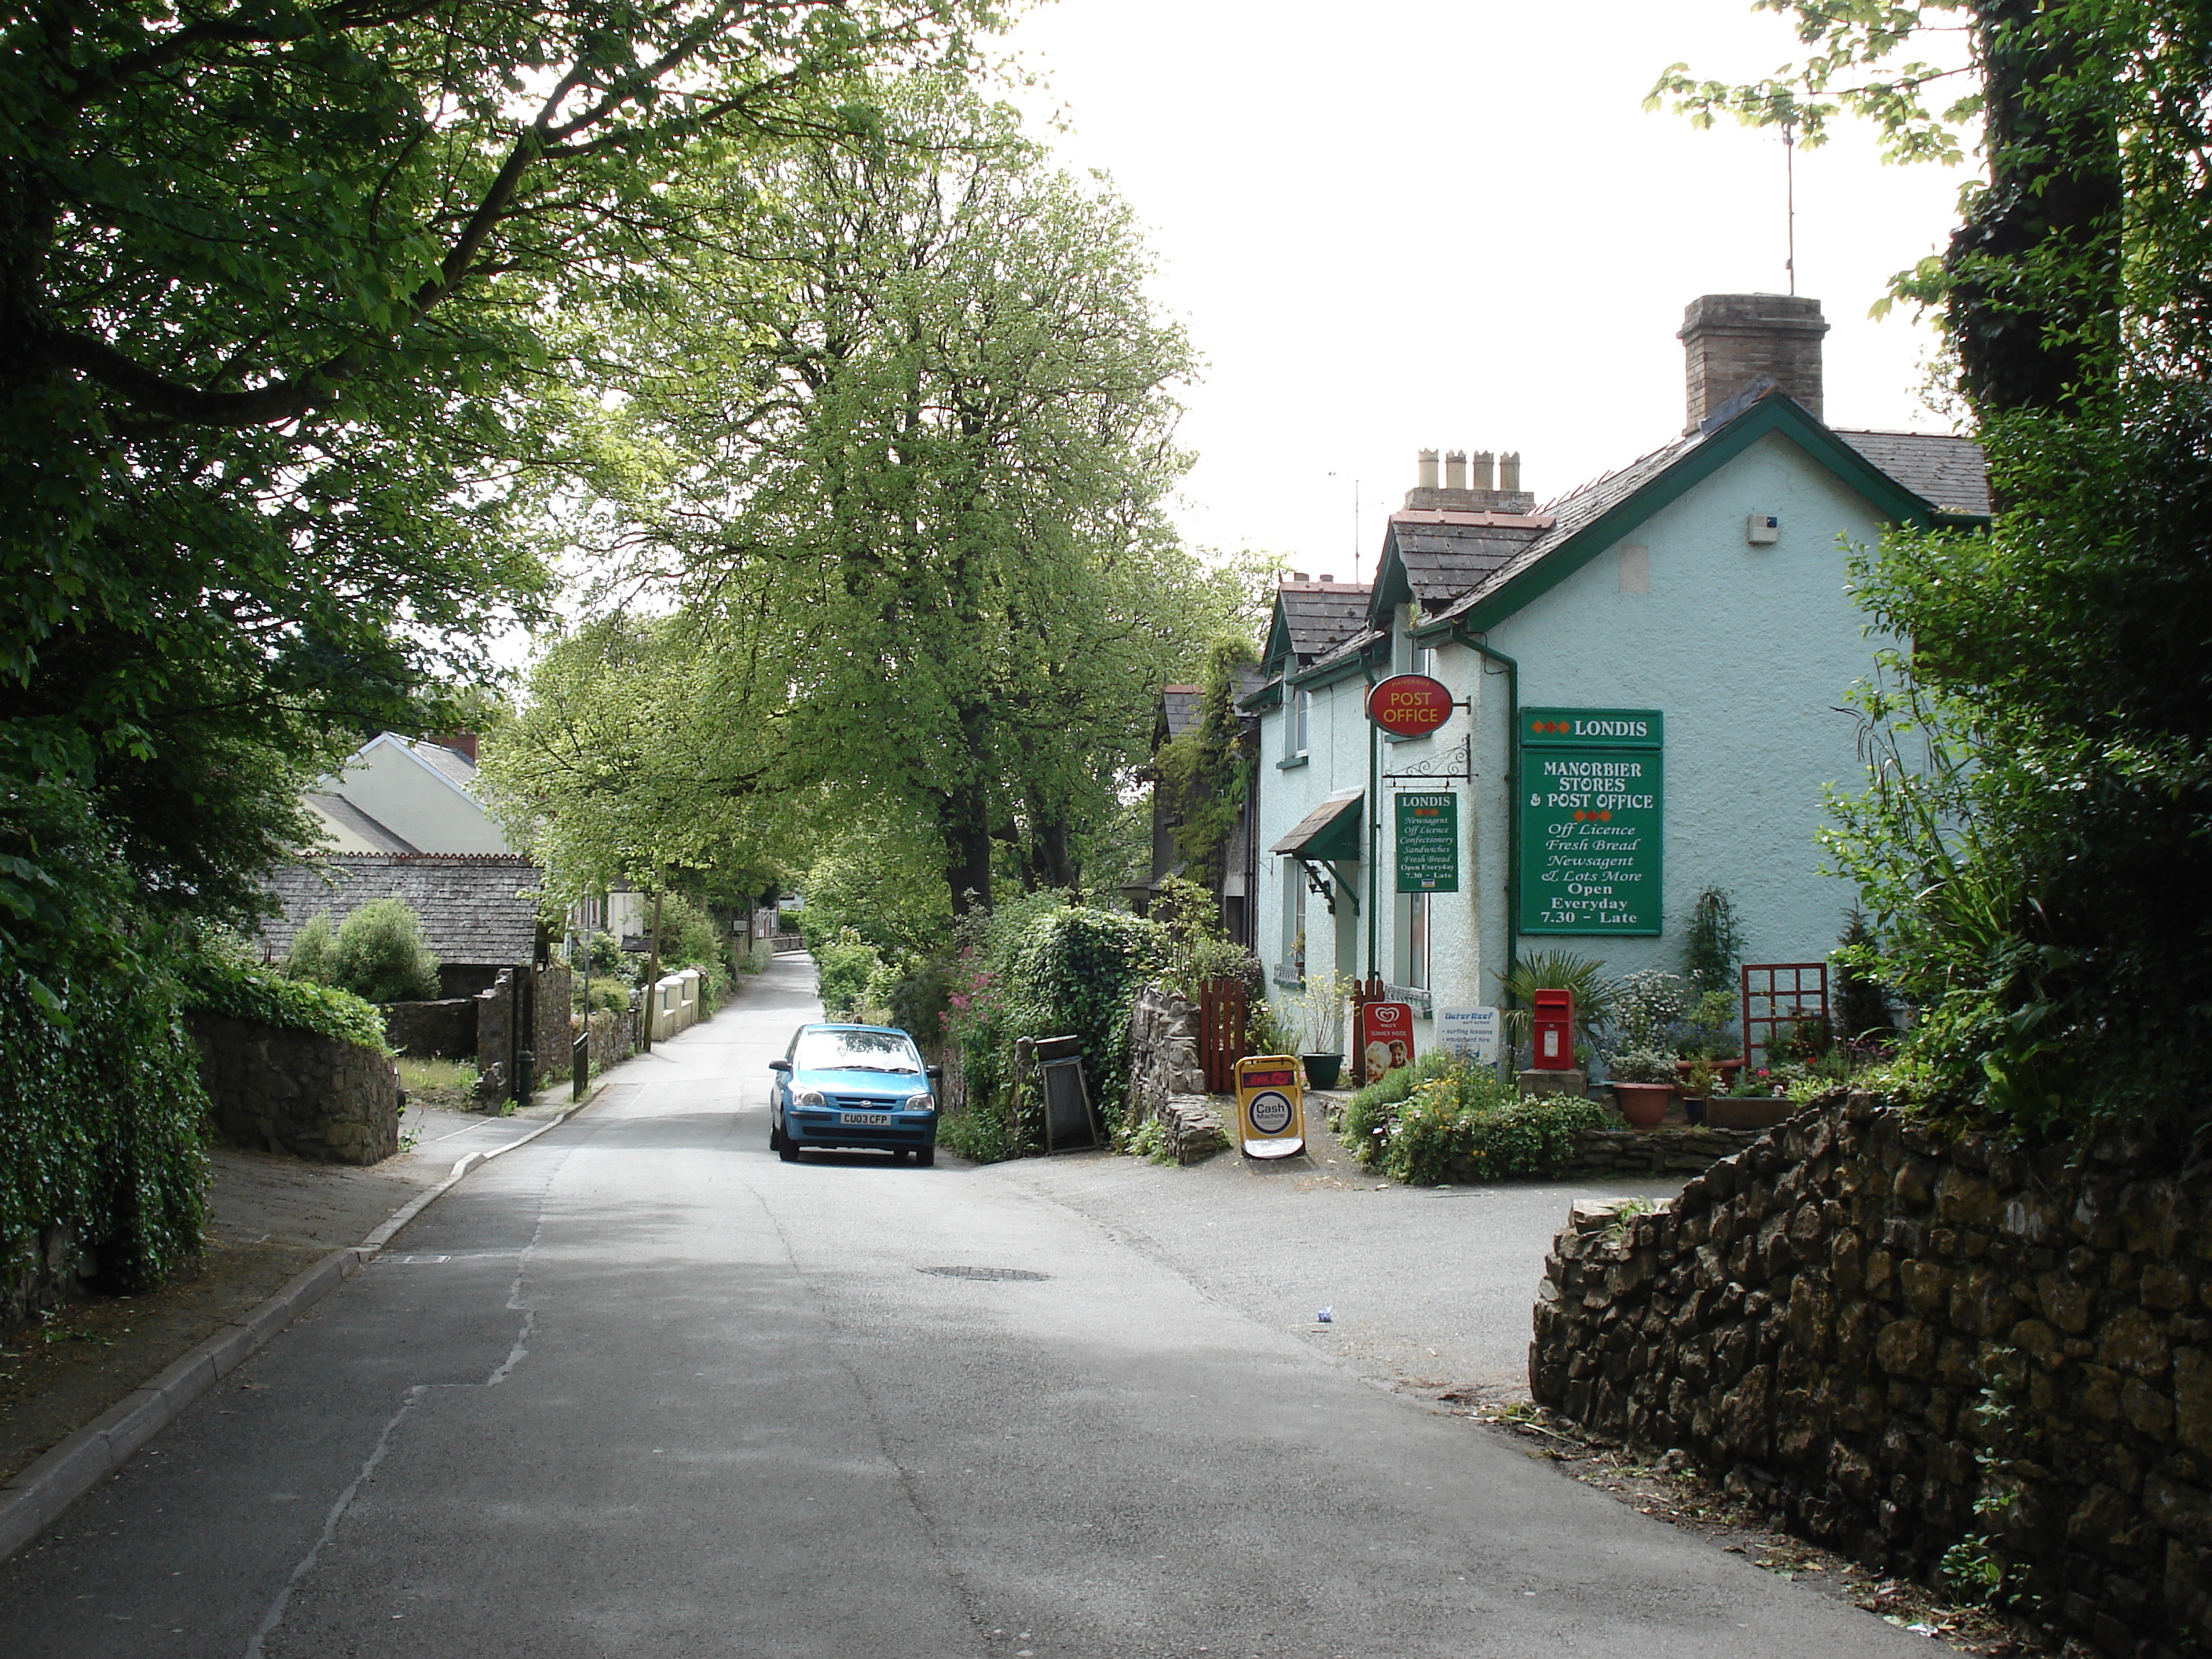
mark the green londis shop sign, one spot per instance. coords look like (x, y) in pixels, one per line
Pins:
(1593, 817)
(1428, 843)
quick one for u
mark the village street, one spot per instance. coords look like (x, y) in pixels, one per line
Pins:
(640, 1389)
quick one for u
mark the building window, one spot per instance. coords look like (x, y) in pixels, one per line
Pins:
(1417, 941)
(1424, 661)
(1300, 717)
(1294, 920)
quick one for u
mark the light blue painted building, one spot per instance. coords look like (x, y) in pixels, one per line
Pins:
(1654, 669)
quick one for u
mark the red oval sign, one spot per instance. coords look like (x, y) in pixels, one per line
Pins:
(1410, 705)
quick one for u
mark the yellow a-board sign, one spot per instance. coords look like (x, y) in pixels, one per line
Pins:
(1271, 1113)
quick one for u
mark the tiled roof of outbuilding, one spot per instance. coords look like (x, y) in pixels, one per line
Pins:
(1179, 707)
(478, 909)
(1949, 473)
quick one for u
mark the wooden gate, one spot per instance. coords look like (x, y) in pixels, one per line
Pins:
(1221, 1033)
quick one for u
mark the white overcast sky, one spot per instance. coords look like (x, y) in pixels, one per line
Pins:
(1449, 223)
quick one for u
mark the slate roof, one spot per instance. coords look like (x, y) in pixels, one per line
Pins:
(1445, 553)
(451, 763)
(1319, 614)
(1949, 473)
(1179, 707)
(343, 813)
(1573, 511)
(478, 909)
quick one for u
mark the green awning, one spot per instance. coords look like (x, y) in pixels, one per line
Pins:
(1330, 831)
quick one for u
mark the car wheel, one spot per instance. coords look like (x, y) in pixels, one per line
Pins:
(786, 1148)
(926, 1156)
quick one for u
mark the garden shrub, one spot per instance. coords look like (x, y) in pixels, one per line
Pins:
(1039, 966)
(313, 947)
(1443, 1120)
(380, 953)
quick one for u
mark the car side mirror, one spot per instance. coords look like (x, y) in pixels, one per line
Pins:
(934, 1074)
(783, 1066)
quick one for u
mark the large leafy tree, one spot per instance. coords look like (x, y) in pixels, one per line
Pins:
(2034, 848)
(934, 429)
(274, 360)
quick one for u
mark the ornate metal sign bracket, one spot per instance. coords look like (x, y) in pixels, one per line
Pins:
(1456, 764)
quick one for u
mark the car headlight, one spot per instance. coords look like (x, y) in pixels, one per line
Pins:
(808, 1097)
(919, 1103)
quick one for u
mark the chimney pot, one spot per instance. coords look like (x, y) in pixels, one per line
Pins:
(1428, 469)
(1483, 478)
(1455, 468)
(1300, 576)
(1509, 471)
(1738, 342)
(1328, 578)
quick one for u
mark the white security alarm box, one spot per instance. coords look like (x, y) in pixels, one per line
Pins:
(1762, 528)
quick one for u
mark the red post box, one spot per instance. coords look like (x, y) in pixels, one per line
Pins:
(1554, 1025)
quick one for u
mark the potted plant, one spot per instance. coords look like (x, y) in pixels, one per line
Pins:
(1708, 1034)
(1318, 1015)
(1701, 1080)
(1642, 1081)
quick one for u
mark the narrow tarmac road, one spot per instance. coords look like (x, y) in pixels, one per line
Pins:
(640, 1388)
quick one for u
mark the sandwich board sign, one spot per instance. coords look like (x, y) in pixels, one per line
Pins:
(1271, 1118)
(1470, 1033)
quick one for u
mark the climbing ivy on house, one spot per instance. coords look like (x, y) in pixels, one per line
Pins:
(1208, 769)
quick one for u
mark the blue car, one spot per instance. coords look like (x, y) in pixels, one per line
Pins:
(853, 1085)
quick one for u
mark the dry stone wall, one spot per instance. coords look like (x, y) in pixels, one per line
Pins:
(1166, 1080)
(1874, 1330)
(1163, 1060)
(281, 1090)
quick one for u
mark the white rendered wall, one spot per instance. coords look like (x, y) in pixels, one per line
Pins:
(1749, 651)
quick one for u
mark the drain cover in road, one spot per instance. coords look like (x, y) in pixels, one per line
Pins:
(983, 1273)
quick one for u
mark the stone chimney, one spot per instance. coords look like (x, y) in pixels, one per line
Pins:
(1744, 342)
(1453, 495)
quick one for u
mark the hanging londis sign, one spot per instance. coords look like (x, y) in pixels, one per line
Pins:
(1410, 705)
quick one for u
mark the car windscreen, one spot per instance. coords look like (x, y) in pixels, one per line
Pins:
(856, 1051)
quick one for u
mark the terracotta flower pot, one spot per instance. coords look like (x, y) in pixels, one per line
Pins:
(1643, 1104)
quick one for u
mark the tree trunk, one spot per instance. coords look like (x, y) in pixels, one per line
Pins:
(2036, 267)
(967, 839)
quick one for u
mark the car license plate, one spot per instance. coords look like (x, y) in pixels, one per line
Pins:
(867, 1119)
